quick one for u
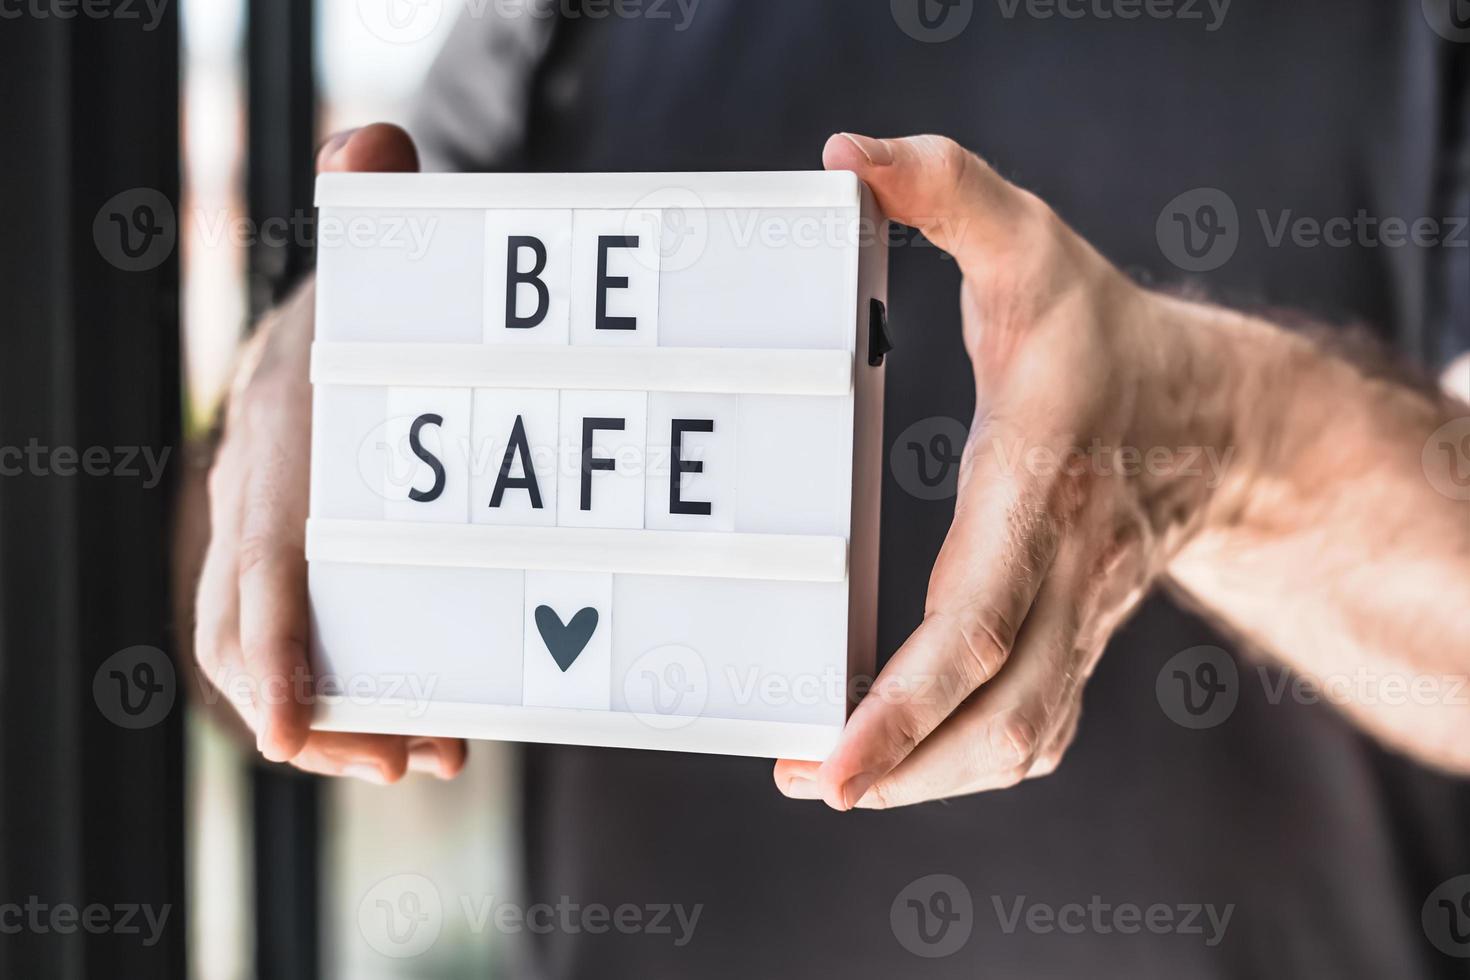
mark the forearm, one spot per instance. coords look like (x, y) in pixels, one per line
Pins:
(1333, 541)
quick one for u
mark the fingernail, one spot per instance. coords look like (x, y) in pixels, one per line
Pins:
(264, 746)
(801, 788)
(368, 774)
(424, 757)
(334, 143)
(854, 789)
(877, 151)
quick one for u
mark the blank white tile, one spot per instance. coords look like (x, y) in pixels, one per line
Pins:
(712, 486)
(346, 469)
(496, 457)
(771, 651)
(766, 278)
(587, 680)
(400, 274)
(631, 288)
(454, 633)
(602, 497)
(406, 470)
(795, 465)
(552, 233)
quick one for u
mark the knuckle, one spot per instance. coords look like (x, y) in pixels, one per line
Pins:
(394, 766)
(1013, 743)
(951, 160)
(255, 551)
(211, 662)
(222, 478)
(1013, 776)
(903, 734)
(986, 639)
(881, 796)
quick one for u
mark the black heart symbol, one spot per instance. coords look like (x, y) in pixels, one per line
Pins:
(566, 641)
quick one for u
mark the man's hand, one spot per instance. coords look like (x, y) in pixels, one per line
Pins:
(251, 624)
(1113, 427)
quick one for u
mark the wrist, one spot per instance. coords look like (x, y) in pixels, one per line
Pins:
(1213, 381)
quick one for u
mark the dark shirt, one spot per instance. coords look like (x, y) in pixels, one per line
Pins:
(1323, 846)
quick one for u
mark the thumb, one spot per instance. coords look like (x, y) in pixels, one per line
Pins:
(378, 148)
(939, 187)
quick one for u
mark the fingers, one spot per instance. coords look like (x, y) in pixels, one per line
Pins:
(939, 187)
(270, 557)
(273, 610)
(252, 609)
(997, 553)
(380, 759)
(217, 613)
(1012, 728)
(379, 148)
